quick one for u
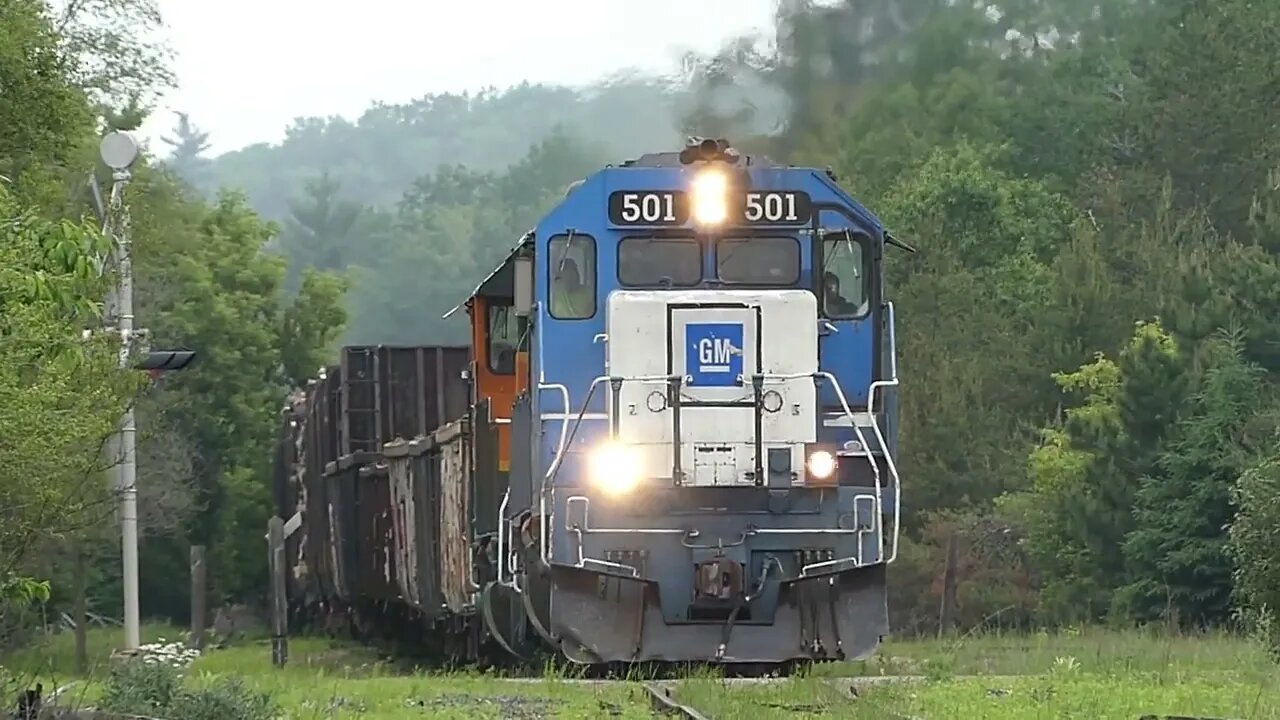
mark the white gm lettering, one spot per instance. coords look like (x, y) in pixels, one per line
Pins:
(714, 354)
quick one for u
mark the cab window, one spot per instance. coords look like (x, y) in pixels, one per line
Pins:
(772, 261)
(844, 290)
(659, 262)
(571, 268)
(504, 339)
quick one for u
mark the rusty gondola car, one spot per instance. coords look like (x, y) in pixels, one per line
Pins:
(383, 461)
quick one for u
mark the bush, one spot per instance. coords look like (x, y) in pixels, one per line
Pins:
(140, 688)
(226, 699)
(155, 689)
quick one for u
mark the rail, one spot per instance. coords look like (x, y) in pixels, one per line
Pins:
(661, 700)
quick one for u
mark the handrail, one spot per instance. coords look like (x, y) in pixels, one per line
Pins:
(871, 398)
(564, 439)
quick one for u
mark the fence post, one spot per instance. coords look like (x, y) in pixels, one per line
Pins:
(947, 610)
(199, 597)
(279, 603)
(81, 611)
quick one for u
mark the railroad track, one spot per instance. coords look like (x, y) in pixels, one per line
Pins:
(662, 698)
(662, 701)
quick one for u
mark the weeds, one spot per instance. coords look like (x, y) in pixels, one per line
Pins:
(156, 689)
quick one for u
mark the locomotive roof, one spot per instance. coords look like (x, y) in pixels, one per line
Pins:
(672, 159)
(500, 282)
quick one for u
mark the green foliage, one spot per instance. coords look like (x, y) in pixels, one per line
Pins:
(43, 116)
(155, 689)
(457, 225)
(20, 590)
(226, 699)
(203, 281)
(1178, 548)
(141, 688)
(210, 284)
(1084, 476)
(982, 283)
(60, 395)
(311, 325)
(379, 156)
(1255, 537)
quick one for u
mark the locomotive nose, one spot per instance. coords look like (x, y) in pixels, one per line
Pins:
(716, 386)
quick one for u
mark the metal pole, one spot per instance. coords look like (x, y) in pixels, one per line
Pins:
(119, 151)
(127, 470)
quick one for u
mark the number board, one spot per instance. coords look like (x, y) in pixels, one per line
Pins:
(776, 207)
(671, 207)
(648, 207)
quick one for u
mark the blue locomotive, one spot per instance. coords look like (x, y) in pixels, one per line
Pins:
(677, 444)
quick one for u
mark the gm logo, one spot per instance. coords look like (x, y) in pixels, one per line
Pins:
(713, 354)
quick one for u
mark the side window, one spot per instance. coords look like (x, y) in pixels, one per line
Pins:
(504, 339)
(845, 291)
(572, 272)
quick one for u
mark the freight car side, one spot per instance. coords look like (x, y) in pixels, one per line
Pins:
(390, 494)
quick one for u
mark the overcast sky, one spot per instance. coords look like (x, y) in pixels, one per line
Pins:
(247, 68)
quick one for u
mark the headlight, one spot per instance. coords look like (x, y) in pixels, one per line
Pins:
(822, 464)
(614, 468)
(710, 197)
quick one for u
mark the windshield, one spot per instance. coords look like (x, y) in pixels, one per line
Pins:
(665, 262)
(758, 260)
(844, 276)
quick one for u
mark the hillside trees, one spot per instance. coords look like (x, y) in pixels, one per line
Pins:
(203, 280)
(455, 224)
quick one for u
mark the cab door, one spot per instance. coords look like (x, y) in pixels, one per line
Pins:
(845, 258)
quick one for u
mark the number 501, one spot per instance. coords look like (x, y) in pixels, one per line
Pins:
(771, 207)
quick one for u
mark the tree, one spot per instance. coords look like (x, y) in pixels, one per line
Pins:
(44, 119)
(189, 145)
(322, 230)
(1177, 551)
(1255, 543)
(118, 58)
(61, 396)
(211, 285)
(1085, 475)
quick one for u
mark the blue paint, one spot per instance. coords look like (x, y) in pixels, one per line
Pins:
(568, 353)
(713, 354)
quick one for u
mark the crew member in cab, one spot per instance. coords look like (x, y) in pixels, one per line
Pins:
(833, 302)
(570, 298)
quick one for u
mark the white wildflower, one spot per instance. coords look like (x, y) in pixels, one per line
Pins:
(173, 654)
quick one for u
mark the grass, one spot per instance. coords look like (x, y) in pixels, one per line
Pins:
(1084, 674)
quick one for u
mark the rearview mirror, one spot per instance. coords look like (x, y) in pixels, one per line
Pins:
(523, 300)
